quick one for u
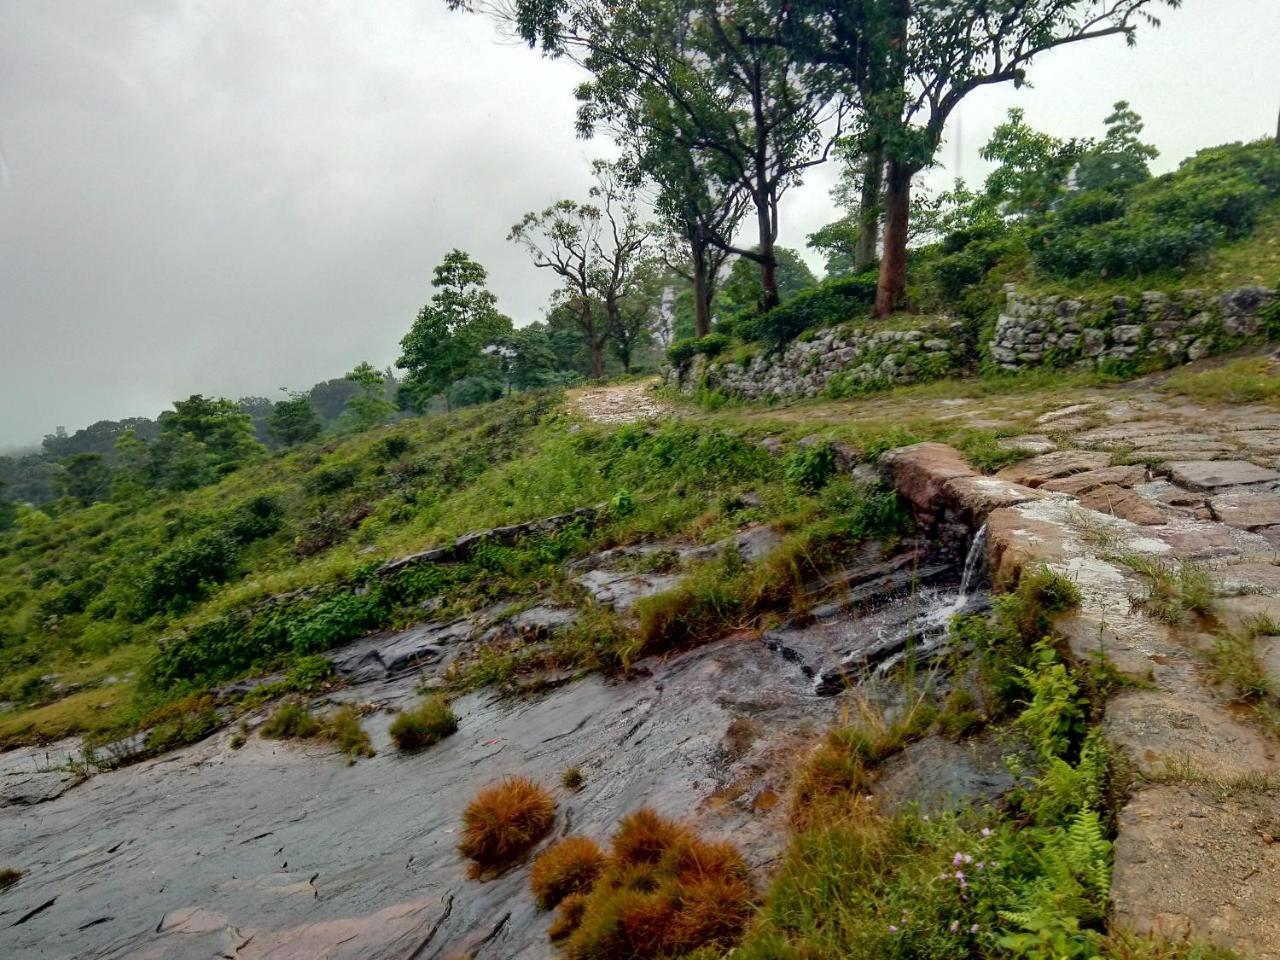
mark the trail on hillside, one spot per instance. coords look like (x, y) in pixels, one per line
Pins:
(620, 402)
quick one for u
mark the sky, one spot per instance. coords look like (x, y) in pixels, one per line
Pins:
(229, 197)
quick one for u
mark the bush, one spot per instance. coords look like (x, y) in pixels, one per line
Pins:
(421, 726)
(682, 351)
(8, 877)
(335, 620)
(834, 301)
(570, 866)
(343, 727)
(330, 480)
(810, 467)
(292, 721)
(393, 447)
(504, 822)
(256, 518)
(185, 572)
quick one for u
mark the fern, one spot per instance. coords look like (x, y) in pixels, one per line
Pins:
(1063, 789)
(1053, 715)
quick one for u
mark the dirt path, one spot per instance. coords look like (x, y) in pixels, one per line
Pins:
(620, 403)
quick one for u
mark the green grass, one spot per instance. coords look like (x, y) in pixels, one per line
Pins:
(1176, 590)
(1243, 380)
(423, 725)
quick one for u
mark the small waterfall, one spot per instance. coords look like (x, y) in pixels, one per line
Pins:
(975, 556)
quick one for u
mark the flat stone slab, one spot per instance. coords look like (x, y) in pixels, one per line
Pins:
(1124, 503)
(1050, 466)
(1055, 415)
(1191, 863)
(1029, 443)
(939, 775)
(1213, 474)
(1080, 483)
(1246, 510)
(1166, 732)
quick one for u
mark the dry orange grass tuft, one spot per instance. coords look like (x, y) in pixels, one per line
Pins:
(664, 893)
(643, 837)
(570, 866)
(504, 821)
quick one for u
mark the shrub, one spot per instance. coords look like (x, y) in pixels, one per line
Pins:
(291, 721)
(308, 673)
(258, 517)
(8, 877)
(572, 779)
(392, 448)
(330, 480)
(568, 867)
(833, 301)
(343, 617)
(503, 822)
(421, 726)
(682, 351)
(185, 572)
(809, 467)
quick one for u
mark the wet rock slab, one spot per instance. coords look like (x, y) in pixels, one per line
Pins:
(279, 850)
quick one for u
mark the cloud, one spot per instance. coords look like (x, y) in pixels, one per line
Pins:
(224, 196)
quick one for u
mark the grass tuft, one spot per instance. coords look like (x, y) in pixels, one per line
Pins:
(423, 725)
(8, 877)
(566, 868)
(505, 821)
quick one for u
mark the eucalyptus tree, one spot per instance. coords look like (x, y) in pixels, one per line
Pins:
(596, 248)
(914, 62)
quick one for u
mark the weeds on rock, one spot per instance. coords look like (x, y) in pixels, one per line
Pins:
(293, 721)
(573, 779)
(8, 877)
(423, 725)
(566, 868)
(503, 822)
(1176, 589)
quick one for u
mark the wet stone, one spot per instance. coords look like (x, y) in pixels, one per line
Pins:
(1081, 483)
(939, 775)
(1124, 503)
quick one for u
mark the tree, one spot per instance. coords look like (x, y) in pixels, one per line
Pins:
(201, 439)
(448, 339)
(8, 511)
(914, 62)
(370, 407)
(527, 358)
(742, 292)
(294, 420)
(133, 475)
(85, 477)
(712, 78)
(595, 248)
(1034, 167)
(1120, 159)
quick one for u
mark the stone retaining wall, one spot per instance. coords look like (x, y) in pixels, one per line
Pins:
(1172, 328)
(841, 361)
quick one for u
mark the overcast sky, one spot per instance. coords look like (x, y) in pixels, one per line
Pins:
(231, 196)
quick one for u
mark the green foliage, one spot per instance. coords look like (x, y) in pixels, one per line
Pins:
(187, 571)
(833, 301)
(682, 351)
(330, 622)
(742, 293)
(370, 407)
(1245, 380)
(423, 725)
(294, 420)
(290, 721)
(983, 449)
(1033, 167)
(85, 477)
(1052, 718)
(809, 467)
(1120, 159)
(1176, 589)
(1215, 196)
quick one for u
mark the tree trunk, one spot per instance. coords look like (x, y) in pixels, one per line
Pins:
(597, 359)
(893, 262)
(701, 292)
(864, 251)
(769, 297)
